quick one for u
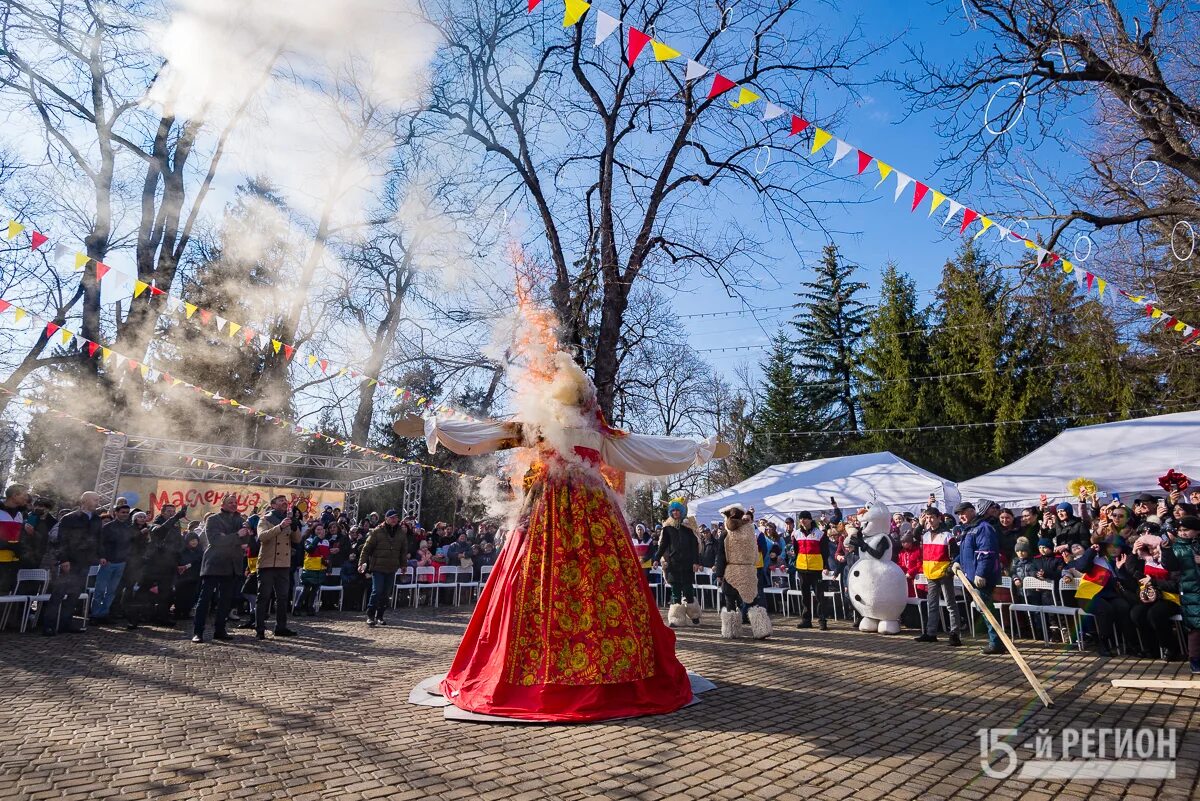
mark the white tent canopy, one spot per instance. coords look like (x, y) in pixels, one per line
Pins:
(1125, 457)
(785, 489)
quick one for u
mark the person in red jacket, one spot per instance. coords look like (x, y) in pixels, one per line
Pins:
(910, 561)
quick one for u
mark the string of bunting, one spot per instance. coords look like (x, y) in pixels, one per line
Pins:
(152, 376)
(237, 333)
(636, 41)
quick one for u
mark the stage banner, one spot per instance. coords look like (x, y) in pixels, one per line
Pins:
(203, 498)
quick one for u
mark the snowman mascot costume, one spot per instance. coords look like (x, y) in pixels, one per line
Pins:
(876, 585)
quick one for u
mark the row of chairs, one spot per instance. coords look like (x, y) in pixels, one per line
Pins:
(458, 581)
(780, 588)
(30, 593)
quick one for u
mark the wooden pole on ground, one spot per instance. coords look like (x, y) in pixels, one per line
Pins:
(1012, 649)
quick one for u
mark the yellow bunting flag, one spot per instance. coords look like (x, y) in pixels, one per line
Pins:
(574, 11)
(81, 260)
(232, 402)
(139, 287)
(820, 139)
(884, 170)
(189, 309)
(987, 223)
(234, 328)
(663, 52)
(312, 360)
(746, 97)
(1156, 313)
(18, 314)
(66, 337)
(1179, 326)
(276, 345)
(143, 369)
(14, 228)
(104, 354)
(938, 199)
(1101, 284)
(1067, 266)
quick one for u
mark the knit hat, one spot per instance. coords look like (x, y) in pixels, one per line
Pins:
(805, 515)
(1045, 542)
(1022, 545)
(1064, 507)
(984, 505)
(392, 513)
(677, 504)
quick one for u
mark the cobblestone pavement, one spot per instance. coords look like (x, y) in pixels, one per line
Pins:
(806, 714)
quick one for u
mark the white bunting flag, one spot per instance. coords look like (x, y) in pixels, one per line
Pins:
(772, 111)
(840, 151)
(955, 208)
(694, 70)
(605, 25)
(902, 182)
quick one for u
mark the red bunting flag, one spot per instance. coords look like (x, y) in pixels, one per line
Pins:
(637, 41)
(919, 194)
(1170, 323)
(38, 240)
(249, 334)
(51, 329)
(206, 316)
(864, 161)
(720, 85)
(4, 306)
(133, 364)
(92, 347)
(1149, 309)
(1190, 338)
(1090, 279)
(101, 270)
(156, 291)
(324, 365)
(798, 125)
(533, 4)
(288, 350)
(969, 216)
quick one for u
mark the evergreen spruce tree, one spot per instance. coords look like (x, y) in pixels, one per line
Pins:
(895, 356)
(830, 324)
(779, 412)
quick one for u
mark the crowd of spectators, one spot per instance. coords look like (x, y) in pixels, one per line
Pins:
(142, 569)
(1134, 569)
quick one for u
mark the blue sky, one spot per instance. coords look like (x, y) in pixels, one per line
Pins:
(880, 230)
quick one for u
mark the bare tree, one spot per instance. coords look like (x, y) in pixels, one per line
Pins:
(620, 167)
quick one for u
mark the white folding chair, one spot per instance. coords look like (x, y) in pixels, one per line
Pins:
(1069, 584)
(334, 572)
(960, 597)
(447, 580)
(1054, 609)
(919, 582)
(27, 580)
(89, 584)
(466, 583)
(405, 580)
(658, 583)
(423, 578)
(484, 573)
(40, 581)
(1005, 583)
(832, 589)
(777, 589)
(705, 584)
(297, 590)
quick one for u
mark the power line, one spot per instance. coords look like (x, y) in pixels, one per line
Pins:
(952, 426)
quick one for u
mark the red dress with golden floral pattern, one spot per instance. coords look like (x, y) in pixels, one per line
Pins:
(567, 628)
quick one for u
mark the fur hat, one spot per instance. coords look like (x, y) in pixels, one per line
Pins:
(677, 504)
(733, 507)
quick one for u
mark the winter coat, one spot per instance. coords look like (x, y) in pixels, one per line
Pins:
(679, 548)
(275, 543)
(35, 546)
(708, 553)
(737, 557)
(979, 552)
(79, 540)
(190, 558)
(1069, 531)
(162, 552)
(223, 556)
(1185, 552)
(115, 539)
(135, 558)
(386, 549)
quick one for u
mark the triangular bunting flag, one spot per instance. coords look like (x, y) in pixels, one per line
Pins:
(955, 208)
(51, 328)
(220, 322)
(969, 217)
(92, 347)
(143, 369)
(987, 223)
(311, 360)
(276, 345)
(694, 70)
(902, 182)
(14, 228)
(1179, 325)
(37, 240)
(18, 314)
(840, 151)
(155, 290)
(139, 287)
(59, 251)
(820, 139)
(938, 199)
(132, 363)
(918, 194)
(1100, 286)
(205, 316)
(324, 365)
(1089, 279)
(4, 305)
(884, 171)
(105, 353)
(637, 42)
(864, 161)
(288, 351)
(798, 125)
(1155, 313)
(190, 308)
(772, 111)
(101, 270)
(605, 25)
(234, 328)
(745, 97)
(66, 337)
(574, 11)
(248, 335)
(720, 85)
(663, 52)
(80, 260)
(533, 4)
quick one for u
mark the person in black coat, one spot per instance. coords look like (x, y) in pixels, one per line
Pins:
(221, 567)
(78, 549)
(186, 564)
(679, 547)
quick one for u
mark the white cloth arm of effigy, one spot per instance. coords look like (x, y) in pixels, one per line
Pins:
(655, 456)
(470, 437)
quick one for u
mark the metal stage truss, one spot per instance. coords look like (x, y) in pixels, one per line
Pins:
(153, 457)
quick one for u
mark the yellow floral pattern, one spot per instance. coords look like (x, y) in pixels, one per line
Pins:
(581, 613)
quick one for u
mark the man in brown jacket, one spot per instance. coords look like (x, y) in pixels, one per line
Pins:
(276, 535)
(385, 550)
